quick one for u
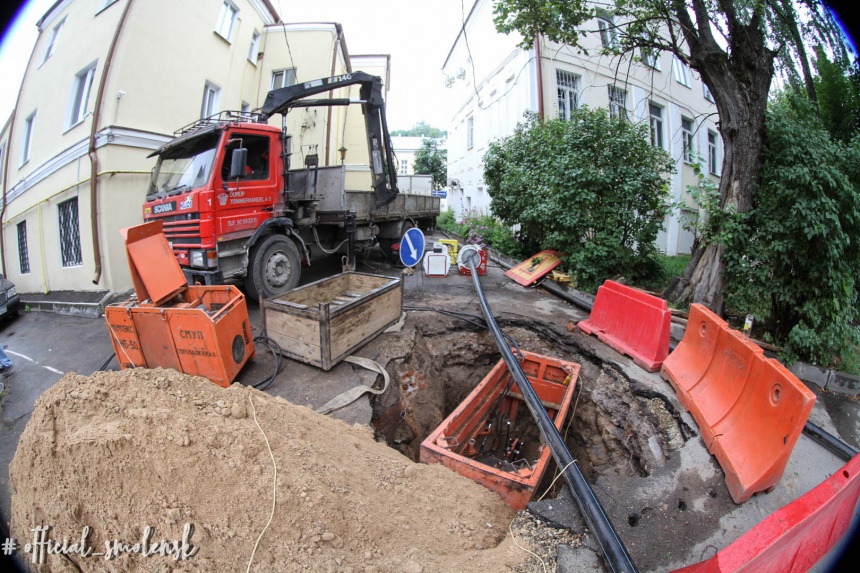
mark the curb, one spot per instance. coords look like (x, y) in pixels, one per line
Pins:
(86, 309)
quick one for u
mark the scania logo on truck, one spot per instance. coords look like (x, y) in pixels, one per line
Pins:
(164, 208)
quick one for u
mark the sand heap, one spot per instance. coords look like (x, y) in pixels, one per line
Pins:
(121, 451)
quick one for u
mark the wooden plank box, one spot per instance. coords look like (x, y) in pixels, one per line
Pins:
(324, 322)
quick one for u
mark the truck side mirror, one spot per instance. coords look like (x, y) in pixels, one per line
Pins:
(238, 162)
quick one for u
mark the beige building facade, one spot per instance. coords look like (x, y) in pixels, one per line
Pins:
(493, 82)
(108, 82)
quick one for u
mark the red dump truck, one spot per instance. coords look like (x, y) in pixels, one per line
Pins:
(232, 207)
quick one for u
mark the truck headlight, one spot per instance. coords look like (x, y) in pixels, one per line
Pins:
(203, 259)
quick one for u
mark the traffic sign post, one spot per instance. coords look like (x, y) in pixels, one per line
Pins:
(412, 247)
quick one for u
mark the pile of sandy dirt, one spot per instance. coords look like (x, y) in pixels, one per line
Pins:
(120, 451)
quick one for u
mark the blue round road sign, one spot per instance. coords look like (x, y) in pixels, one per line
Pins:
(412, 247)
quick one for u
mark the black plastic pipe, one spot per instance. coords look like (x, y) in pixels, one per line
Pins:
(613, 549)
(829, 441)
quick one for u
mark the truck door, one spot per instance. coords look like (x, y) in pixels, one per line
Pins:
(244, 203)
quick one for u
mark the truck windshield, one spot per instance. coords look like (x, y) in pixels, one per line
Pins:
(184, 167)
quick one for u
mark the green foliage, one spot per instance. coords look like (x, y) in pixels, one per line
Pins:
(421, 129)
(430, 159)
(482, 229)
(445, 220)
(838, 89)
(592, 188)
(797, 257)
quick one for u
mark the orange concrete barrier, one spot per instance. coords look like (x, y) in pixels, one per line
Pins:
(750, 409)
(795, 537)
(632, 322)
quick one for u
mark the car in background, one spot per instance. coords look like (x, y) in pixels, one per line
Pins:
(9, 300)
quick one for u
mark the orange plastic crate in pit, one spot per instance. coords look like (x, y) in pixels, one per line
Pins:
(477, 442)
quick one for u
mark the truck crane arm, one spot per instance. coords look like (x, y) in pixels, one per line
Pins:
(383, 171)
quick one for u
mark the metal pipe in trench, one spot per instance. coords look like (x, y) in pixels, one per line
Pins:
(592, 511)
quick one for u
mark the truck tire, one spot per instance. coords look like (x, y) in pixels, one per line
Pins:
(275, 268)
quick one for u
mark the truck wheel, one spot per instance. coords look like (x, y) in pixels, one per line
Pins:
(275, 268)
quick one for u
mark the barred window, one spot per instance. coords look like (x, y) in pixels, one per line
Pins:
(568, 93)
(656, 125)
(23, 252)
(617, 102)
(687, 139)
(70, 233)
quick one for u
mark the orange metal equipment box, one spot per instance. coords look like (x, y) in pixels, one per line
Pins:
(199, 330)
(465, 441)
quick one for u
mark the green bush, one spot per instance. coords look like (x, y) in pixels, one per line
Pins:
(476, 228)
(446, 221)
(796, 257)
(591, 187)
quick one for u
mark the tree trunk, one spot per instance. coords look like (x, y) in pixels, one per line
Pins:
(740, 84)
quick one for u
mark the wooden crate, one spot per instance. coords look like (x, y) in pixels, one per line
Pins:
(324, 322)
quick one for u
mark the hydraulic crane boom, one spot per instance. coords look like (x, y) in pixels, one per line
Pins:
(383, 171)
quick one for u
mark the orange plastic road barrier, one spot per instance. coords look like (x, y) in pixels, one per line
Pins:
(533, 269)
(750, 409)
(457, 441)
(795, 537)
(632, 322)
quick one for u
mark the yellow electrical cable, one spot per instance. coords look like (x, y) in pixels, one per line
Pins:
(513, 537)
(274, 484)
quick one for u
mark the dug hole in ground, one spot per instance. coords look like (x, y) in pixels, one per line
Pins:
(120, 451)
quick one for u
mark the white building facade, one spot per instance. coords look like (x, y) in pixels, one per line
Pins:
(493, 82)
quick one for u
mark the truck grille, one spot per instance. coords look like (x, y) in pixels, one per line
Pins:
(3, 297)
(182, 229)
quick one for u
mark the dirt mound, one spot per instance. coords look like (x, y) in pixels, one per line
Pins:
(122, 451)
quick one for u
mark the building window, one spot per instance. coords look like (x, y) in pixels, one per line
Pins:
(211, 95)
(27, 138)
(568, 93)
(255, 47)
(23, 253)
(80, 95)
(70, 234)
(52, 40)
(470, 132)
(656, 125)
(404, 166)
(227, 20)
(650, 58)
(707, 93)
(687, 139)
(283, 78)
(682, 72)
(617, 102)
(712, 153)
(608, 36)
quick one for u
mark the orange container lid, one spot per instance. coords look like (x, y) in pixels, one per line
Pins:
(155, 272)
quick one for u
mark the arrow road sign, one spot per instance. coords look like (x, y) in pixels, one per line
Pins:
(411, 247)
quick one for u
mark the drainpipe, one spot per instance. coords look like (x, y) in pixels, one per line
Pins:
(94, 161)
(330, 94)
(539, 76)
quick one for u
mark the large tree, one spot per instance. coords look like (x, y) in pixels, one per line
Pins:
(735, 45)
(430, 159)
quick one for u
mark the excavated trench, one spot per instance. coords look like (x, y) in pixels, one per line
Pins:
(617, 426)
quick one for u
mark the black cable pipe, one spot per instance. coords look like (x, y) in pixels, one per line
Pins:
(829, 441)
(613, 549)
